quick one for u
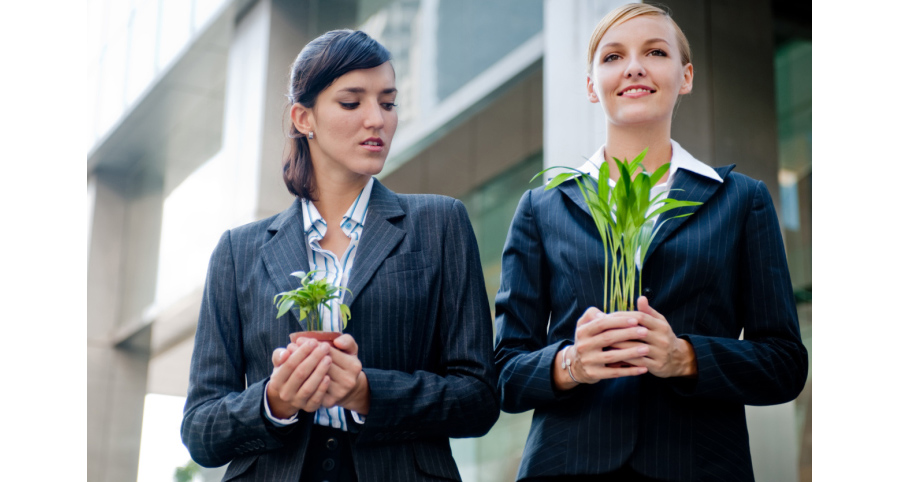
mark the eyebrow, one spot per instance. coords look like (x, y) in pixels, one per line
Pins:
(361, 90)
(618, 45)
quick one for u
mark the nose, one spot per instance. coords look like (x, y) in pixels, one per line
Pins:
(635, 68)
(374, 117)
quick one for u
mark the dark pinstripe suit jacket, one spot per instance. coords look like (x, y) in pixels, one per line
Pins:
(421, 319)
(711, 274)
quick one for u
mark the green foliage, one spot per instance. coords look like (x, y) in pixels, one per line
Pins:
(310, 298)
(187, 472)
(624, 220)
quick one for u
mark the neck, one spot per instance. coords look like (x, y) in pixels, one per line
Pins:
(627, 142)
(336, 195)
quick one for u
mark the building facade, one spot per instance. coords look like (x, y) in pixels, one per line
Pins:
(186, 127)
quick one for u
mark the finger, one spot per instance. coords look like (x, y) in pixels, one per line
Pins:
(278, 356)
(316, 400)
(347, 344)
(302, 372)
(611, 337)
(589, 315)
(653, 319)
(284, 371)
(625, 372)
(604, 323)
(626, 344)
(310, 386)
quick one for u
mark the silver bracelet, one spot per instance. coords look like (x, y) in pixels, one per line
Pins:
(567, 364)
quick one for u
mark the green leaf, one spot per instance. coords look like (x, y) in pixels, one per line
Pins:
(559, 179)
(345, 314)
(284, 308)
(659, 173)
(576, 171)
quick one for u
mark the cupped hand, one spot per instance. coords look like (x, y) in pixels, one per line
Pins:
(299, 378)
(668, 355)
(349, 386)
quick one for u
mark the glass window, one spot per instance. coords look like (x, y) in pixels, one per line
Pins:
(793, 94)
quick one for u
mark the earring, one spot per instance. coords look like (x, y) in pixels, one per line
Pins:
(311, 135)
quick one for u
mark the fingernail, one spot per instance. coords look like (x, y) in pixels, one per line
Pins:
(632, 321)
(644, 350)
(641, 331)
(323, 348)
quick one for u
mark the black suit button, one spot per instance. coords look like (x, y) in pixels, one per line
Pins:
(647, 292)
(328, 464)
(331, 444)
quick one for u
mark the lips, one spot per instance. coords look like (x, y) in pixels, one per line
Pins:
(636, 90)
(373, 141)
(373, 144)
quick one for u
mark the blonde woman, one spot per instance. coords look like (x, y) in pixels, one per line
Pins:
(658, 393)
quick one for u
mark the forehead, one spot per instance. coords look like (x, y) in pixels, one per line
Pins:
(375, 79)
(637, 31)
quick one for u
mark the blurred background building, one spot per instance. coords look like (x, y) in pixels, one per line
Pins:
(186, 107)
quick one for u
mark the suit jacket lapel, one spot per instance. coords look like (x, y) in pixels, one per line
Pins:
(286, 251)
(379, 238)
(570, 189)
(687, 186)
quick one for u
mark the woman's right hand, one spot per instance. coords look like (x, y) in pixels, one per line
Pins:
(300, 378)
(595, 331)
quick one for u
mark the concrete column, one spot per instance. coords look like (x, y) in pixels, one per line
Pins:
(574, 128)
(267, 39)
(124, 242)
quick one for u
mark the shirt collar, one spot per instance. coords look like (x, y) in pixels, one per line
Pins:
(355, 215)
(681, 159)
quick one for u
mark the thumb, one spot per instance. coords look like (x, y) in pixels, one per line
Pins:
(346, 344)
(643, 305)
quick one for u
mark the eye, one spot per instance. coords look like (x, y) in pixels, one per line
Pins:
(611, 57)
(658, 53)
(388, 106)
(349, 105)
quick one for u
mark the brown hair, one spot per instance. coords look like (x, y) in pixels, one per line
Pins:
(628, 12)
(323, 60)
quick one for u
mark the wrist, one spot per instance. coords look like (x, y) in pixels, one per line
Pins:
(359, 399)
(561, 378)
(278, 407)
(688, 359)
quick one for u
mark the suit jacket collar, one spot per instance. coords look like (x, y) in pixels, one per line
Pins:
(285, 252)
(687, 186)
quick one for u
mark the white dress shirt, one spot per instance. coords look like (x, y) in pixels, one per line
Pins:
(337, 271)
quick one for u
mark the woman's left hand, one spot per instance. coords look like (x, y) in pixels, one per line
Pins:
(349, 386)
(669, 355)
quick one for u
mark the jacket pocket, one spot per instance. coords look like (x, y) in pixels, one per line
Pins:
(405, 262)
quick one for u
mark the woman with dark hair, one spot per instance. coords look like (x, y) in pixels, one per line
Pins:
(413, 365)
(657, 393)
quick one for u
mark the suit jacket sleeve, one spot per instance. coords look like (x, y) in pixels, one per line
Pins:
(223, 418)
(461, 400)
(770, 364)
(523, 310)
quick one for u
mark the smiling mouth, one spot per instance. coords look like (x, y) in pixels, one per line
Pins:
(636, 90)
(373, 143)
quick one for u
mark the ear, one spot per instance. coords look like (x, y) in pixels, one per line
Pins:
(302, 118)
(688, 85)
(592, 96)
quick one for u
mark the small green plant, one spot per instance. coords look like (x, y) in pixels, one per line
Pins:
(624, 219)
(310, 298)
